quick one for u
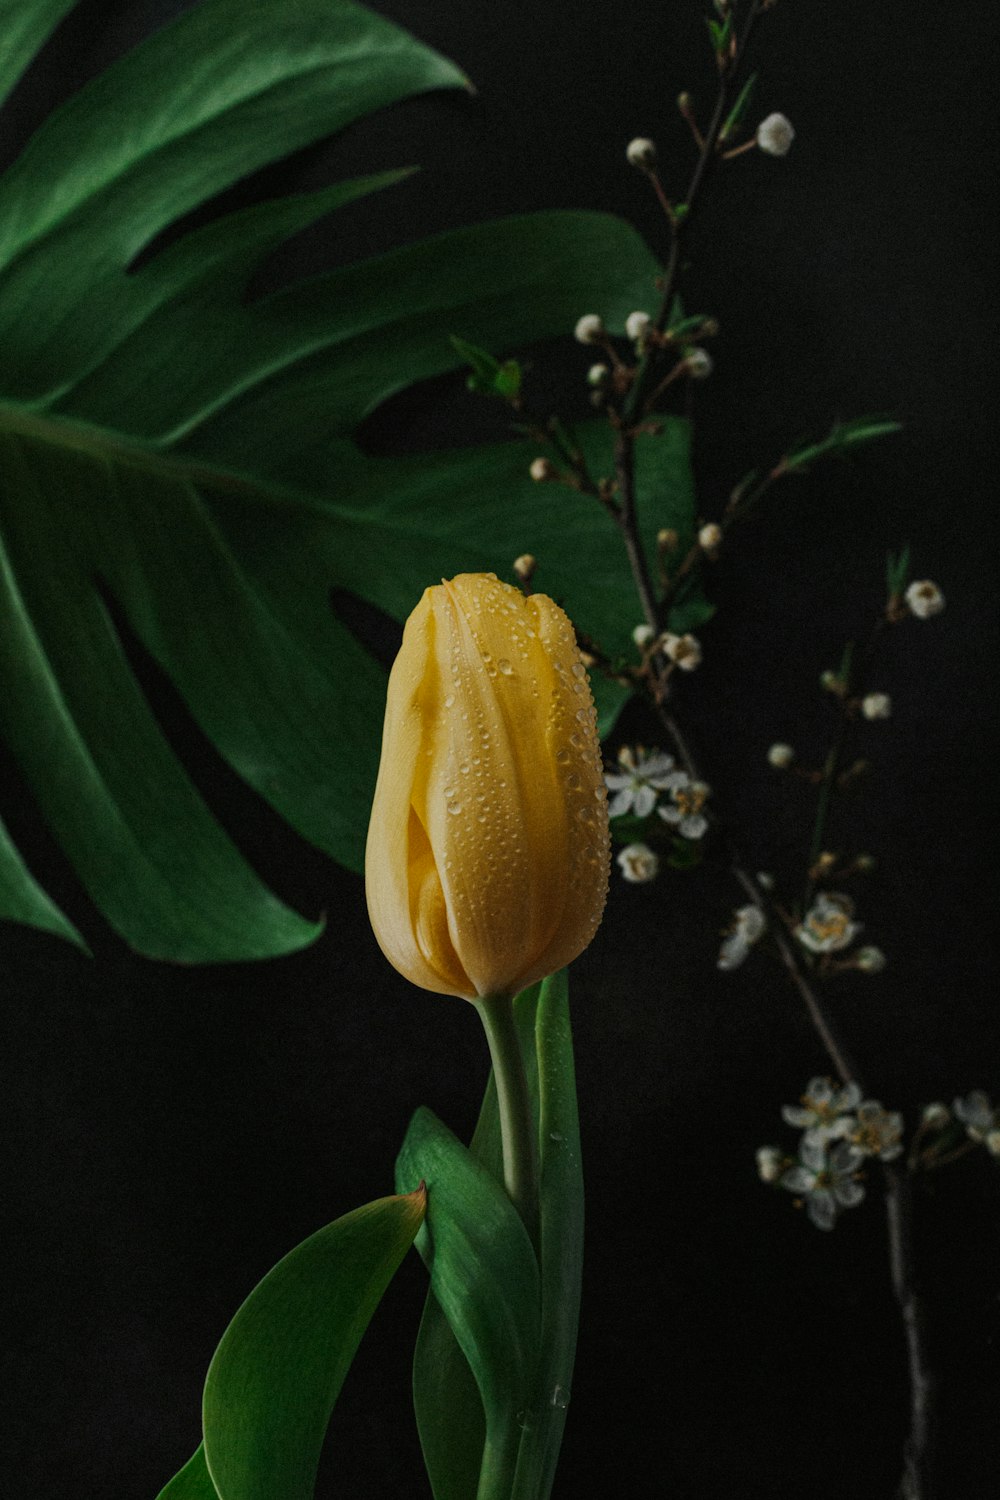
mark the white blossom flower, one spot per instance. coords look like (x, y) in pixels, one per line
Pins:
(638, 863)
(589, 329)
(684, 650)
(699, 364)
(992, 1143)
(524, 567)
(828, 925)
(869, 959)
(825, 1112)
(643, 635)
(877, 1131)
(684, 813)
(977, 1114)
(748, 927)
(641, 153)
(876, 705)
(826, 1181)
(637, 325)
(710, 537)
(597, 375)
(643, 775)
(542, 469)
(780, 755)
(925, 599)
(771, 1162)
(775, 135)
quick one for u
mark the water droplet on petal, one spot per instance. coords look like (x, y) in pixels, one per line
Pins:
(562, 756)
(449, 702)
(454, 808)
(505, 666)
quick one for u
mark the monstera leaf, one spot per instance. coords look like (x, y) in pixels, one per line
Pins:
(180, 456)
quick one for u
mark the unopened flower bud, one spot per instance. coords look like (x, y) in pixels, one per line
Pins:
(830, 682)
(637, 325)
(775, 135)
(543, 469)
(643, 635)
(710, 537)
(524, 567)
(699, 364)
(936, 1116)
(597, 375)
(770, 1163)
(876, 706)
(638, 863)
(992, 1142)
(780, 755)
(641, 153)
(667, 539)
(589, 329)
(685, 103)
(924, 599)
(765, 880)
(455, 906)
(870, 960)
(865, 864)
(824, 864)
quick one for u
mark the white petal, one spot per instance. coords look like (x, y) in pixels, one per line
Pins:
(793, 1114)
(670, 814)
(848, 1193)
(645, 801)
(822, 1209)
(620, 803)
(798, 1180)
(733, 951)
(813, 1150)
(656, 765)
(694, 826)
(820, 1090)
(616, 780)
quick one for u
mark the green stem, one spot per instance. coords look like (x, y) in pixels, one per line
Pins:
(520, 1172)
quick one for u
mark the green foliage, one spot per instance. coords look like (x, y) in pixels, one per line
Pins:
(449, 1411)
(845, 435)
(188, 455)
(489, 377)
(278, 1370)
(897, 571)
(736, 115)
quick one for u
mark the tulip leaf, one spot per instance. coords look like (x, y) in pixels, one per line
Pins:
(446, 1399)
(279, 1367)
(484, 1276)
(193, 1482)
(179, 470)
(449, 1413)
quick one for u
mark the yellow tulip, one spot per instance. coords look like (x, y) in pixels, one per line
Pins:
(488, 848)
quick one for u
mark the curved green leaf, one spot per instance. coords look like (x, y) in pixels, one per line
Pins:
(193, 1482)
(22, 898)
(483, 1273)
(278, 1370)
(189, 453)
(449, 1414)
(24, 26)
(446, 1399)
(561, 1237)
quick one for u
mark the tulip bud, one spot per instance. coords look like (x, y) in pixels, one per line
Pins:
(488, 847)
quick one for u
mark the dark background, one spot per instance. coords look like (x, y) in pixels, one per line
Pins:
(174, 1132)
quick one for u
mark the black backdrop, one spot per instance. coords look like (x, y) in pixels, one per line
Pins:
(173, 1132)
